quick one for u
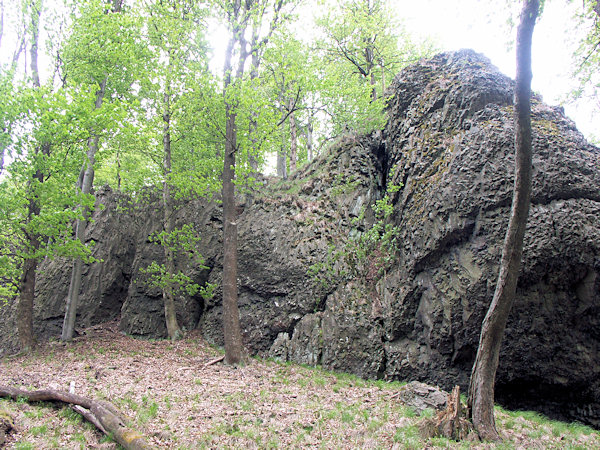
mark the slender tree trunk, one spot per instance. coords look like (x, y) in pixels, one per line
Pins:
(382, 78)
(2, 152)
(28, 279)
(481, 388)
(253, 148)
(370, 60)
(173, 329)
(86, 180)
(35, 31)
(293, 141)
(309, 140)
(25, 305)
(118, 169)
(231, 316)
(1, 21)
(281, 162)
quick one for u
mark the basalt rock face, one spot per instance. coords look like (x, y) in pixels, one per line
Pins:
(450, 141)
(449, 145)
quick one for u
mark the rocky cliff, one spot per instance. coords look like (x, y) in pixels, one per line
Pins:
(449, 144)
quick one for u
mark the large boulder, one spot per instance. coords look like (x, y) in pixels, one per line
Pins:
(448, 144)
(450, 141)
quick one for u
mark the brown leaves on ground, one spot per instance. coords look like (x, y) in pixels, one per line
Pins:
(172, 396)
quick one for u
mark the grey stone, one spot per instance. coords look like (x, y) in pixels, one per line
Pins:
(421, 396)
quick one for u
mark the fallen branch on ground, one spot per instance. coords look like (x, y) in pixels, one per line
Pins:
(214, 361)
(101, 414)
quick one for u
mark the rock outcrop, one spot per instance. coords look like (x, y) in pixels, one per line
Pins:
(449, 145)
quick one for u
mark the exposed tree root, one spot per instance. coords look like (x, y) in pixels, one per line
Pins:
(451, 423)
(101, 414)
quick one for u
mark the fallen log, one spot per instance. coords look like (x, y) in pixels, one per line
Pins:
(101, 414)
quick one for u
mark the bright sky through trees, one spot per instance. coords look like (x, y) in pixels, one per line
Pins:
(476, 24)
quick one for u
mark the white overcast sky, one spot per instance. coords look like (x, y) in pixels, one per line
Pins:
(468, 24)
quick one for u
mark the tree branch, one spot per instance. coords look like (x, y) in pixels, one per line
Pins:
(98, 413)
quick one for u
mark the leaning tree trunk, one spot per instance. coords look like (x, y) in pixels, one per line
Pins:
(309, 139)
(481, 388)
(87, 181)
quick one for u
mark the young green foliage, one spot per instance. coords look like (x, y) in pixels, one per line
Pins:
(366, 254)
(183, 242)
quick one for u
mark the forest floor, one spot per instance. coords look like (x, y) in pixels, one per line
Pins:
(177, 401)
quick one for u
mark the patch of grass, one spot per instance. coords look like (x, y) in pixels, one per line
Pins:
(24, 446)
(70, 416)
(79, 437)
(440, 442)
(409, 437)
(39, 430)
(427, 413)
(347, 417)
(148, 410)
(167, 401)
(35, 413)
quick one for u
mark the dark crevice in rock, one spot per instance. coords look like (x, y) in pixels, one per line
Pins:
(541, 200)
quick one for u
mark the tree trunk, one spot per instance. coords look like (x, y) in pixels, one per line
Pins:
(86, 183)
(309, 140)
(370, 60)
(118, 169)
(28, 279)
(282, 160)
(173, 329)
(253, 148)
(481, 387)
(293, 141)
(25, 305)
(231, 316)
(35, 32)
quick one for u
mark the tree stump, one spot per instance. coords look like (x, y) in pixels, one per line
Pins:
(6, 425)
(451, 423)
